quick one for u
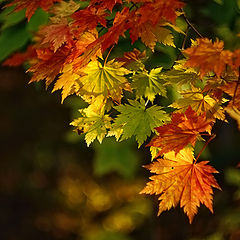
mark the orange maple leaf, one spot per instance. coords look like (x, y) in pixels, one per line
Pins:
(184, 129)
(179, 179)
(32, 5)
(208, 56)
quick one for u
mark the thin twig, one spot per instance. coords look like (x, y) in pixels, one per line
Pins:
(191, 25)
(235, 90)
(205, 145)
(183, 43)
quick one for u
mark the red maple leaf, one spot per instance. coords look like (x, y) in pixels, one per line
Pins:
(184, 129)
(88, 18)
(157, 10)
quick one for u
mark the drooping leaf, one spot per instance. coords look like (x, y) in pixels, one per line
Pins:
(94, 124)
(151, 34)
(107, 79)
(148, 84)
(201, 103)
(179, 77)
(180, 180)
(67, 81)
(137, 120)
(208, 56)
(185, 128)
(57, 34)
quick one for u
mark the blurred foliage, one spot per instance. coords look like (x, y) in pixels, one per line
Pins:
(53, 187)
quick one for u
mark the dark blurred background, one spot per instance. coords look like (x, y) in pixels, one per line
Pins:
(53, 187)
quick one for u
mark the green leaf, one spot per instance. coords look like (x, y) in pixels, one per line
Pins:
(136, 120)
(9, 18)
(13, 39)
(114, 156)
(40, 17)
(149, 84)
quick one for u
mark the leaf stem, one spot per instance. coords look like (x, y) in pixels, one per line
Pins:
(105, 61)
(205, 145)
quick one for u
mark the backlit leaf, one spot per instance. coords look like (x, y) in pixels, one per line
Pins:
(137, 120)
(180, 180)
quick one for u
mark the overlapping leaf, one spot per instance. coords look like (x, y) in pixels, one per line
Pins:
(201, 103)
(180, 180)
(94, 124)
(185, 128)
(208, 56)
(148, 84)
(107, 79)
(137, 120)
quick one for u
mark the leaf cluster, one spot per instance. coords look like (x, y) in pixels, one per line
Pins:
(76, 53)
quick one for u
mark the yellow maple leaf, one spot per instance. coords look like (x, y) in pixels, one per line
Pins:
(179, 179)
(67, 82)
(94, 124)
(200, 103)
(107, 80)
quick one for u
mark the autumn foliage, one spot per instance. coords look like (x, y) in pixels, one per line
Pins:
(73, 53)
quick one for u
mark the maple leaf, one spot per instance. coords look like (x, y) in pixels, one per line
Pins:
(67, 81)
(31, 6)
(133, 60)
(88, 18)
(49, 64)
(94, 124)
(184, 129)
(148, 84)
(159, 10)
(122, 22)
(208, 56)
(107, 79)
(64, 9)
(201, 103)
(57, 34)
(181, 76)
(150, 34)
(105, 4)
(137, 120)
(179, 179)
